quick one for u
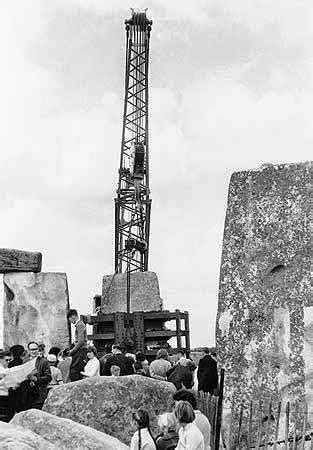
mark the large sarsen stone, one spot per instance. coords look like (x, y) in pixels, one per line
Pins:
(34, 308)
(107, 403)
(265, 314)
(64, 433)
(14, 437)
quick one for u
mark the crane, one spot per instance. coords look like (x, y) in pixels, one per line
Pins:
(133, 203)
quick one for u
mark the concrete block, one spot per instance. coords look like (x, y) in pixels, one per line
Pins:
(144, 288)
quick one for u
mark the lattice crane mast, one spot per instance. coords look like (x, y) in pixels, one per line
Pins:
(133, 203)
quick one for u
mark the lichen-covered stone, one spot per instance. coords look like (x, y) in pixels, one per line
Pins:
(107, 403)
(144, 292)
(64, 433)
(34, 308)
(14, 437)
(264, 320)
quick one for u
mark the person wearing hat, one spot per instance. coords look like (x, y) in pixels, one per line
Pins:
(17, 352)
(55, 371)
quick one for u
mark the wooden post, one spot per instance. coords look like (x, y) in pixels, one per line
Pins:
(219, 412)
(250, 425)
(287, 425)
(294, 440)
(187, 330)
(277, 425)
(268, 424)
(259, 426)
(305, 419)
(178, 329)
(240, 424)
(231, 423)
(19, 261)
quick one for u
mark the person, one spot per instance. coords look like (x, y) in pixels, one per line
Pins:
(64, 365)
(144, 368)
(17, 352)
(190, 437)
(181, 374)
(79, 351)
(142, 439)
(55, 371)
(39, 378)
(207, 373)
(42, 350)
(54, 351)
(118, 359)
(115, 371)
(168, 439)
(92, 368)
(105, 357)
(201, 421)
(4, 392)
(160, 366)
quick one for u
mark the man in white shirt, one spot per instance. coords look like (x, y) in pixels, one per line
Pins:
(201, 420)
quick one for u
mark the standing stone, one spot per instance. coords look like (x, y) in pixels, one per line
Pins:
(144, 292)
(265, 315)
(35, 306)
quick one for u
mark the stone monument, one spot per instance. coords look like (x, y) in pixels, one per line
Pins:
(264, 327)
(34, 308)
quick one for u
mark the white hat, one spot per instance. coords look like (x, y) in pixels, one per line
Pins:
(52, 358)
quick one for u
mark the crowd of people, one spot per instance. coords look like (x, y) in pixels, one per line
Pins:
(185, 427)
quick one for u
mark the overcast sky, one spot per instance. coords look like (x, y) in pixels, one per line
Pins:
(230, 89)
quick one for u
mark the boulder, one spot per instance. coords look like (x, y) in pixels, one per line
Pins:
(64, 433)
(144, 292)
(107, 403)
(34, 308)
(265, 309)
(14, 437)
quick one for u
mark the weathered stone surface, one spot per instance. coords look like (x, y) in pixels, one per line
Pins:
(264, 320)
(106, 403)
(34, 308)
(14, 437)
(144, 289)
(64, 433)
(19, 261)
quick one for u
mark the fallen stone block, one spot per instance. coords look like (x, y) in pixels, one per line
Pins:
(34, 308)
(64, 433)
(107, 403)
(19, 261)
(14, 437)
(144, 292)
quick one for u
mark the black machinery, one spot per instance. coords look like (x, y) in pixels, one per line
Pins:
(141, 330)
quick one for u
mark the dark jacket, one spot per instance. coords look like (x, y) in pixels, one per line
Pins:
(39, 390)
(207, 374)
(120, 360)
(17, 361)
(180, 376)
(167, 441)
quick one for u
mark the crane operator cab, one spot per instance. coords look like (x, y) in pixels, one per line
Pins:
(137, 161)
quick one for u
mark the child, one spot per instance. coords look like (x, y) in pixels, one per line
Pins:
(115, 371)
(143, 438)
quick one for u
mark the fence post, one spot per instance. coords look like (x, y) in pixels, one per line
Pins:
(219, 411)
(305, 419)
(277, 425)
(287, 425)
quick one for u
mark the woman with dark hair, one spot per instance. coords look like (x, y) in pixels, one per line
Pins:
(142, 439)
(92, 368)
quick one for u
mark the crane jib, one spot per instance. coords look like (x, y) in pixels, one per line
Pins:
(133, 203)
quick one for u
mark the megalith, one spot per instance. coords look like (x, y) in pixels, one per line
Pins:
(264, 328)
(34, 308)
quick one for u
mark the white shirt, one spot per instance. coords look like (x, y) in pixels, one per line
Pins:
(190, 438)
(204, 426)
(92, 368)
(146, 441)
